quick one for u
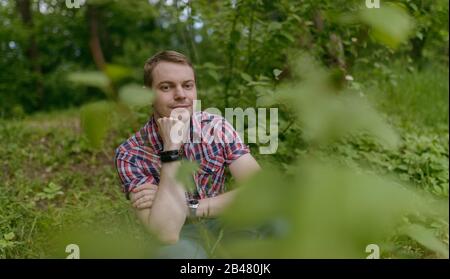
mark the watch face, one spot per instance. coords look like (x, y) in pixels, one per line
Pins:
(193, 203)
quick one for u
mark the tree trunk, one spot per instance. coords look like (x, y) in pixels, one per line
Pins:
(94, 40)
(32, 51)
(96, 48)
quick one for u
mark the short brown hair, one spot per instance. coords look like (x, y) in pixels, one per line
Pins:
(167, 56)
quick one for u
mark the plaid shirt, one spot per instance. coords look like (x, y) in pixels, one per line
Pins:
(138, 158)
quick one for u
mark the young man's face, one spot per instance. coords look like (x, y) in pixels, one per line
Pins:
(174, 87)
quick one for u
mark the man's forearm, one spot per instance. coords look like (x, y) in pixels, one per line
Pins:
(241, 169)
(169, 208)
(212, 207)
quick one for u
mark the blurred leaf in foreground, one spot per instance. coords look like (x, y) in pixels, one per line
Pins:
(94, 79)
(102, 242)
(391, 24)
(185, 174)
(134, 95)
(426, 237)
(95, 121)
(117, 72)
(326, 211)
(327, 114)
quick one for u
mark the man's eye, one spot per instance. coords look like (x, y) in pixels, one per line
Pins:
(165, 88)
(188, 86)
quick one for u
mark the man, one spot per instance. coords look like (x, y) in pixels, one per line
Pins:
(148, 161)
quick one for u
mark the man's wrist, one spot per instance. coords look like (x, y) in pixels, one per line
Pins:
(169, 147)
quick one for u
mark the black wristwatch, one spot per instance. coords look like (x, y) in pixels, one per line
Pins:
(170, 156)
(193, 205)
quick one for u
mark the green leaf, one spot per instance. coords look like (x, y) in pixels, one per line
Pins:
(213, 74)
(274, 26)
(391, 25)
(95, 121)
(426, 237)
(266, 100)
(9, 236)
(288, 36)
(53, 189)
(94, 79)
(6, 244)
(246, 77)
(135, 95)
(185, 174)
(117, 72)
(258, 83)
(209, 65)
(276, 73)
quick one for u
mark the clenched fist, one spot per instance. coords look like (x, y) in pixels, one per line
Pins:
(174, 129)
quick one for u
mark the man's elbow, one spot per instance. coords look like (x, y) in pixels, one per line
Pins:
(164, 236)
(167, 232)
(169, 239)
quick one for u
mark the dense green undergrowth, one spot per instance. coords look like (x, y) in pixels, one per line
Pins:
(51, 180)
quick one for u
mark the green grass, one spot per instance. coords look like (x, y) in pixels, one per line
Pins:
(420, 97)
(51, 180)
(411, 97)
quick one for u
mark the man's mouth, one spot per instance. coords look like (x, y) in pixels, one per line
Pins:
(181, 106)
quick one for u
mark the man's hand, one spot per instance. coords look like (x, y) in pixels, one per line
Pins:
(173, 129)
(142, 197)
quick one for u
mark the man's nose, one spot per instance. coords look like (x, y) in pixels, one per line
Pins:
(179, 92)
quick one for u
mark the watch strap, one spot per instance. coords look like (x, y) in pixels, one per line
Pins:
(170, 156)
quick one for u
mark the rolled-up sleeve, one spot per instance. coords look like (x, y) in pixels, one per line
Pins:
(130, 172)
(234, 147)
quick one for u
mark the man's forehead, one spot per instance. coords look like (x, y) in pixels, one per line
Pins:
(167, 71)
